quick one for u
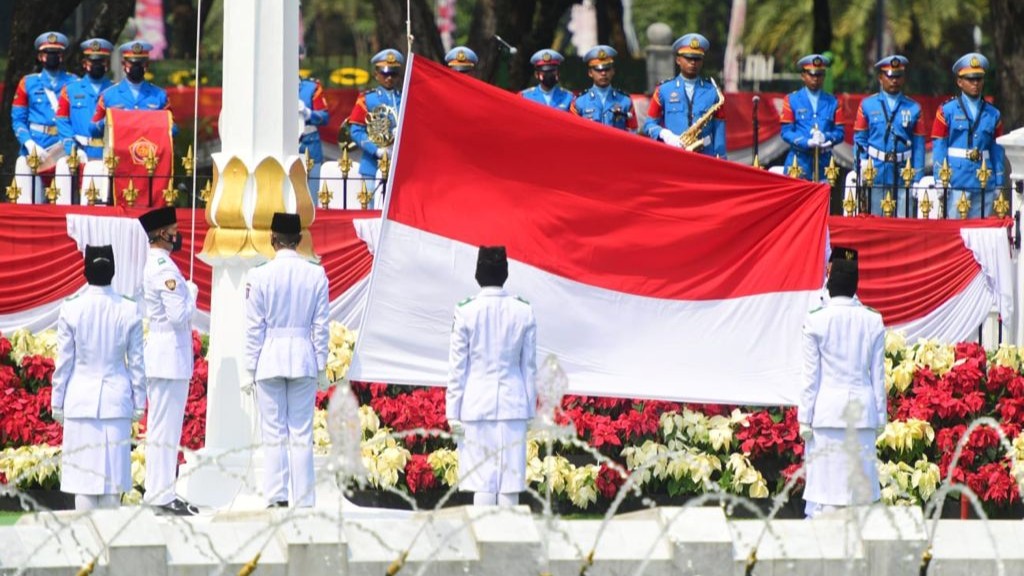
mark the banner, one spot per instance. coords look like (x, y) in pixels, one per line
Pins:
(136, 137)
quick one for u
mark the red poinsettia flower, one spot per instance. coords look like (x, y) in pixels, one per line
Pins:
(419, 475)
(609, 480)
(5, 349)
(37, 370)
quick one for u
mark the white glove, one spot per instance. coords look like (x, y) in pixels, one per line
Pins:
(58, 414)
(193, 290)
(382, 151)
(322, 383)
(458, 430)
(82, 156)
(826, 144)
(40, 151)
(249, 382)
(137, 414)
(669, 137)
(304, 110)
(813, 141)
(806, 432)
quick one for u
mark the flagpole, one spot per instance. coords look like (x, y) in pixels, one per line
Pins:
(408, 27)
(195, 144)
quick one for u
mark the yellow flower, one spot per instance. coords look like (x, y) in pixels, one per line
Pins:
(582, 485)
(340, 346)
(925, 478)
(369, 422)
(139, 464)
(445, 464)
(895, 342)
(1007, 355)
(903, 436)
(321, 437)
(31, 466)
(384, 459)
(720, 432)
(931, 353)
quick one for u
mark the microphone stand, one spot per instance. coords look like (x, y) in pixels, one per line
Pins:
(757, 129)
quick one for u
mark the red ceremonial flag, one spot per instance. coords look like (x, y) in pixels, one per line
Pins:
(652, 271)
(134, 136)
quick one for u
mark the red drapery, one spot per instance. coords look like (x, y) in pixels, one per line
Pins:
(39, 262)
(908, 268)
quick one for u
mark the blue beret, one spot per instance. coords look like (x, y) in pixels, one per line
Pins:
(387, 59)
(96, 48)
(691, 45)
(892, 65)
(51, 41)
(546, 59)
(600, 55)
(461, 57)
(135, 50)
(972, 65)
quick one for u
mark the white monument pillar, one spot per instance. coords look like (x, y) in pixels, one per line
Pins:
(257, 172)
(1013, 143)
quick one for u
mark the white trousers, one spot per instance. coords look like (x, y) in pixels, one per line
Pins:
(92, 502)
(286, 421)
(163, 436)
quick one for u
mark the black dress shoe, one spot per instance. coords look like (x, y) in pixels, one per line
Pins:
(177, 507)
(281, 504)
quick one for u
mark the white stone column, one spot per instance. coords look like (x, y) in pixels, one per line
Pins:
(257, 173)
(1013, 143)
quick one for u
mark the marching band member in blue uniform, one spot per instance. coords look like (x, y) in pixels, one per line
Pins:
(548, 92)
(387, 69)
(888, 130)
(34, 110)
(132, 93)
(811, 120)
(78, 102)
(461, 59)
(603, 103)
(313, 106)
(679, 102)
(964, 134)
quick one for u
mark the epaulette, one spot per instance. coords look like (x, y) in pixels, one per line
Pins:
(523, 300)
(466, 301)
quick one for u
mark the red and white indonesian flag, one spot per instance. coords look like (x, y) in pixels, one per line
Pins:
(652, 272)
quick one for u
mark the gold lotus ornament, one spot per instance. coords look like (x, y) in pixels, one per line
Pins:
(188, 162)
(869, 172)
(52, 193)
(925, 204)
(963, 205)
(832, 171)
(1001, 206)
(888, 204)
(33, 161)
(170, 194)
(794, 170)
(92, 193)
(73, 162)
(13, 191)
(151, 161)
(983, 174)
(849, 204)
(324, 195)
(131, 193)
(365, 196)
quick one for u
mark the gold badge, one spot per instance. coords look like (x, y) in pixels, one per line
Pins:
(694, 43)
(461, 56)
(818, 61)
(171, 284)
(52, 38)
(95, 45)
(137, 48)
(895, 63)
(391, 58)
(602, 54)
(547, 57)
(975, 62)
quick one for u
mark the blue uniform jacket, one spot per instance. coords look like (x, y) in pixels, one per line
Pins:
(671, 109)
(873, 139)
(558, 97)
(74, 116)
(616, 110)
(311, 94)
(34, 109)
(366, 103)
(799, 118)
(950, 142)
(120, 96)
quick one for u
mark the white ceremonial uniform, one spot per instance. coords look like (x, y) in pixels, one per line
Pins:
(169, 308)
(286, 308)
(98, 382)
(844, 401)
(492, 388)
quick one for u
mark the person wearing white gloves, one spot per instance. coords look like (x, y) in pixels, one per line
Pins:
(170, 302)
(492, 391)
(812, 121)
(843, 405)
(286, 336)
(98, 386)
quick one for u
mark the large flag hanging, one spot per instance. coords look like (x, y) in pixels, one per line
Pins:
(652, 272)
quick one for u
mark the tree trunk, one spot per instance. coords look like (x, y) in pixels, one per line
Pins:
(822, 40)
(390, 16)
(609, 25)
(1009, 58)
(109, 20)
(28, 20)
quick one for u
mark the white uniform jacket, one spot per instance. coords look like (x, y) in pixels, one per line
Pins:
(843, 350)
(492, 359)
(169, 308)
(99, 371)
(286, 310)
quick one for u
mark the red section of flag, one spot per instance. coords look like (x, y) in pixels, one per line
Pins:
(908, 268)
(597, 205)
(136, 135)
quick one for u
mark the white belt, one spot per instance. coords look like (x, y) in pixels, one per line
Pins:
(309, 130)
(882, 155)
(86, 141)
(962, 153)
(295, 332)
(706, 141)
(51, 130)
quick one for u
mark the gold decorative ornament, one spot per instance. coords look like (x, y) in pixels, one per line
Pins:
(33, 161)
(907, 173)
(945, 173)
(92, 193)
(756, 163)
(188, 162)
(849, 204)
(690, 138)
(344, 163)
(204, 194)
(1001, 206)
(384, 165)
(983, 174)
(131, 193)
(111, 163)
(309, 162)
(52, 192)
(832, 171)
(925, 204)
(170, 194)
(869, 172)
(963, 205)
(13, 191)
(150, 162)
(794, 170)
(888, 204)
(324, 195)
(365, 196)
(73, 162)
(250, 566)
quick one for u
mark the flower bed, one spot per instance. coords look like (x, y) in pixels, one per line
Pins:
(664, 450)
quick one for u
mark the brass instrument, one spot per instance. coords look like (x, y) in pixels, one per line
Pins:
(691, 139)
(380, 125)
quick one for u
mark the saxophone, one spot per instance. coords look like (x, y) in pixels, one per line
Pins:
(691, 139)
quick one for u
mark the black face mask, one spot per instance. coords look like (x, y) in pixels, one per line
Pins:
(136, 72)
(175, 242)
(97, 70)
(52, 61)
(549, 79)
